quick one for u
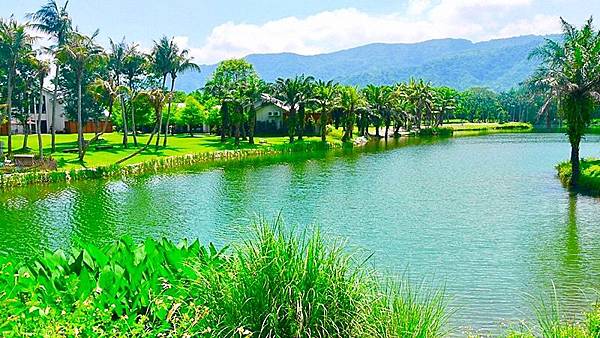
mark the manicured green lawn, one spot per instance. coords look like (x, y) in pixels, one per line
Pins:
(177, 145)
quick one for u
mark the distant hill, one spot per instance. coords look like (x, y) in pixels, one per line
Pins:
(458, 63)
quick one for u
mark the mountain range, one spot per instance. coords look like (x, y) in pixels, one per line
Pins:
(497, 64)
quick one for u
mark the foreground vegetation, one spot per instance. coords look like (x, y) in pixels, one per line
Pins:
(589, 180)
(278, 283)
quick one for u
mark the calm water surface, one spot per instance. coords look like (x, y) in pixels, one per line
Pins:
(485, 215)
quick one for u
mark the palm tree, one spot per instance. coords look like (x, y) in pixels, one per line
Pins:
(444, 102)
(571, 69)
(305, 96)
(55, 21)
(254, 88)
(181, 63)
(15, 46)
(79, 53)
(378, 101)
(326, 96)
(289, 91)
(43, 68)
(220, 89)
(133, 67)
(163, 56)
(116, 61)
(351, 100)
(105, 93)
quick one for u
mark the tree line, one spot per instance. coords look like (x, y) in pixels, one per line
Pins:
(136, 90)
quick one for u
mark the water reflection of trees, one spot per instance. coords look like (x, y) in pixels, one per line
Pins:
(567, 263)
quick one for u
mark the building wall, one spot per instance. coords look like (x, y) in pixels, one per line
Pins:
(46, 118)
(269, 118)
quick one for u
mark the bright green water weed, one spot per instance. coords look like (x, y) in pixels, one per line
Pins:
(277, 283)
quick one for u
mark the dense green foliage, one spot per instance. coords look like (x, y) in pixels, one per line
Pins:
(278, 283)
(570, 78)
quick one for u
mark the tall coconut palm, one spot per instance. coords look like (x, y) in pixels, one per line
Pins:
(15, 46)
(134, 66)
(54, 20)
(43, 69)
(181, 63)
(326, 96)
(116, 62)
(163, 54)
(80, 52)
(571, 69)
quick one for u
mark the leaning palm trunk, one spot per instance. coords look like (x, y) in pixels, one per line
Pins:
(133, 127)
(169, 111)
(160, 117)
(79, 119)
(9, 111)
(154, 132)
(251, 125)
(125, 130)
(38, 124)
(98, 135)
(54, 98)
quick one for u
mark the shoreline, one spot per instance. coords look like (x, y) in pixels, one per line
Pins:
(589, 181)
(17, 180)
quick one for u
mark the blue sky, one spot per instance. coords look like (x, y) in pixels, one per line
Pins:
(218, 29)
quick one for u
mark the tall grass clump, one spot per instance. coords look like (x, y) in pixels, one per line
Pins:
(277, 283)
(550, 322)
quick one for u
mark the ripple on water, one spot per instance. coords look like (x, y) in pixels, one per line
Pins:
(484, 216)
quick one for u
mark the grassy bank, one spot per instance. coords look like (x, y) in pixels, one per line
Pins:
(277, 283)
(182, 151)
(515, 126)
(589, 181)
(178, 145)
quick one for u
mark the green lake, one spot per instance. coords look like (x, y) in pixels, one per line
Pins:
(485, 215)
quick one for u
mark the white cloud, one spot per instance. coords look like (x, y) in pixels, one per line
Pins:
(345, 28)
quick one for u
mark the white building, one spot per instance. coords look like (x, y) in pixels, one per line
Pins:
(46, 120)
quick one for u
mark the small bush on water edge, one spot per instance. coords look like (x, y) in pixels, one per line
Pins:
(275, 284)
(589, 179)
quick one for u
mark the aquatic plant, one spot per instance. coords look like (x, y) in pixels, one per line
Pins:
(277, 283)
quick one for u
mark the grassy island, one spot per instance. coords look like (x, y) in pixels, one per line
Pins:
(589, 179)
